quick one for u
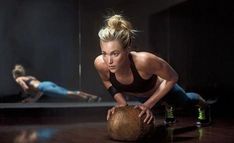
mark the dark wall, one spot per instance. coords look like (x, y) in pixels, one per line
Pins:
(42, 35)
(196, 38)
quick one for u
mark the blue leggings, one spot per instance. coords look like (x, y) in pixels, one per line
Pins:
(51, 89)
(177, 97)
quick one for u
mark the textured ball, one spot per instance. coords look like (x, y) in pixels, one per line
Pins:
(125, 125)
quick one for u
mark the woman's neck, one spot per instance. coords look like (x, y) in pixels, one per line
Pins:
(125, 69)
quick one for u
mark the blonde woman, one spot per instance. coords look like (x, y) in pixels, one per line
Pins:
(143, 75)
(33, 86)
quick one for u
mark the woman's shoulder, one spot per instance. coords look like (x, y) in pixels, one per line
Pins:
(25, 78)
(145, 61)
(143, 57)
(100, 64)
(101, 67)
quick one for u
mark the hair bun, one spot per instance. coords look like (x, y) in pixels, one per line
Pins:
(118, 23)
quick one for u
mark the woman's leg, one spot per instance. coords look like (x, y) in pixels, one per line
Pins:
(204, 117)
(84, 95)
(196, 99)
(178, 97)
(50, 88)
(91, 98)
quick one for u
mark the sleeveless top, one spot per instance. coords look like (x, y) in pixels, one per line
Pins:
(139, 85)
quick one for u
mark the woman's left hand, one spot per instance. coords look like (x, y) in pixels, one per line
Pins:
(145, 110)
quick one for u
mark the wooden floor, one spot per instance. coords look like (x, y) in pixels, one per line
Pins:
(71, 128)
(222, 131)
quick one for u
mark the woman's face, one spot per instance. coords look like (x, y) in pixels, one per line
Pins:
(114, 55)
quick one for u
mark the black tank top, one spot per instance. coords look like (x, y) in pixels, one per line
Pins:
(139, 85)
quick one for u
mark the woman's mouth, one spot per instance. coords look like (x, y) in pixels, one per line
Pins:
(111, 67)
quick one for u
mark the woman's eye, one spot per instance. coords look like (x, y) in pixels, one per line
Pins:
(115, 54)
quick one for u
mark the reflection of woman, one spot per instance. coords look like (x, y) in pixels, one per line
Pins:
(141, 74)
(34, 136)
(26, 137)
(32, 85)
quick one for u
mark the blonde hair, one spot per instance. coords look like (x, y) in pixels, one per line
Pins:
(117, 28)
(18, 71)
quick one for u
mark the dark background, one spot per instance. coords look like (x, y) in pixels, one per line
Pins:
(57, 40)
(196, 37)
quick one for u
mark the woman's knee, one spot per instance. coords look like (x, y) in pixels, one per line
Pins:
(194, 98)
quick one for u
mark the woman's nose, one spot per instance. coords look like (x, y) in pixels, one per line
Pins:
(110, 60)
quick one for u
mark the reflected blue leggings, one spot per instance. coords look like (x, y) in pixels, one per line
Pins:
(177, 97)
(51, 89)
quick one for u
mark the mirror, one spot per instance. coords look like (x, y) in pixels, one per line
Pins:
(57, 41)
(43, 37)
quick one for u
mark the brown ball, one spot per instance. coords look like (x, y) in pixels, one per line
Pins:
(125, 125)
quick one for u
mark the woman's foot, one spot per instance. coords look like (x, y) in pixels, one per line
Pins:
(78, 93)
(94, 99)
(89, 97)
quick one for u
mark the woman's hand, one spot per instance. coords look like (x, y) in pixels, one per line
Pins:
(145, 110)
(112, 110)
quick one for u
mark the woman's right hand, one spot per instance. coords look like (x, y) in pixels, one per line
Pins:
(112, 110)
